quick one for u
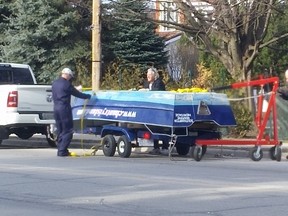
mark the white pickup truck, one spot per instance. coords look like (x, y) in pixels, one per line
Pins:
(26, 108)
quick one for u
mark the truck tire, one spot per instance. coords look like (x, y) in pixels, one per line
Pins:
(51, 142)
(51, 137)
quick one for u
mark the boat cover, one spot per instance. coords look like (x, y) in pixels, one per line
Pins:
(159, 108)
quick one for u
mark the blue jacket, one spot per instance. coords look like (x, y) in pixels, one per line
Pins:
(157, 85)
(62, 90)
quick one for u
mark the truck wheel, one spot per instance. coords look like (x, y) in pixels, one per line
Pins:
(51, 137)
(51, 141)
(108, 145)
(124, 147)
(182, 148)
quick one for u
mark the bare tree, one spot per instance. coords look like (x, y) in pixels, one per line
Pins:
(231, 30)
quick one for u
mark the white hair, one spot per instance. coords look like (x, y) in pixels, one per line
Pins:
(67, 71)
(154, 72)
(286, 74)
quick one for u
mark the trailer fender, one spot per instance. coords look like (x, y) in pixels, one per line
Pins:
(118, 131)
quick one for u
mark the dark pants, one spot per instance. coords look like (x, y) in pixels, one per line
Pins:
(64, 124)
(165, 144)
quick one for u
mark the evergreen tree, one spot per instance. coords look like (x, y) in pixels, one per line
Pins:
(44, 34)
(134, 41)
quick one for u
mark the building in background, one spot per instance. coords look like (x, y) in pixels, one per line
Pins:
(182, 58)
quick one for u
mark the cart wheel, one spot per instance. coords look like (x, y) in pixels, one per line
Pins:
(256, 155)
(197, 153)
(275, 153)
(124, 147)
(108, 145)
(278, 153)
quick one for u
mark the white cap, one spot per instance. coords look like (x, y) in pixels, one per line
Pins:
(68, 71)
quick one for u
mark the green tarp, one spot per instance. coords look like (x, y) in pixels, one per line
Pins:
(282, 118)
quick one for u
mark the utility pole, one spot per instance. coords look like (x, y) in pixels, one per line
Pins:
(96, 45)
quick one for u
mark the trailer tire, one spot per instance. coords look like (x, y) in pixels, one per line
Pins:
(197, 153)
(204, 150)
(124, 147)
(182, 148)
(254, 155)
(108, 145)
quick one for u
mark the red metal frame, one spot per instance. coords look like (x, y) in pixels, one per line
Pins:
(261, 118)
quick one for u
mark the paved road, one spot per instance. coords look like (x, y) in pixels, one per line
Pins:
(33, 181)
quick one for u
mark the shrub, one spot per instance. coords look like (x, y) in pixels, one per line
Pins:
(118, 78)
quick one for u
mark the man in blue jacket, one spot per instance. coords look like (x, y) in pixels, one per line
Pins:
(62, 89)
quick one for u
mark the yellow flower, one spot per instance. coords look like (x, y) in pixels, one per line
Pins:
(194, 90)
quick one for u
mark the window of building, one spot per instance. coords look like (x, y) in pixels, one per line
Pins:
(168, 12)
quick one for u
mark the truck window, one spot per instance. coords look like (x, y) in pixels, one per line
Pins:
(10, 75)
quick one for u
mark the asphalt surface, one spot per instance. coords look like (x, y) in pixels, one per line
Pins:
(34, 181)
(85, 142)
(226, 182)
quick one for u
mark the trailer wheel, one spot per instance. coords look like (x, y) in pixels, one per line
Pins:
(275, 153)
(204, 150)
(124, 147)
(182, 148)
(108, 145)
(197, 153)
(255, 154)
